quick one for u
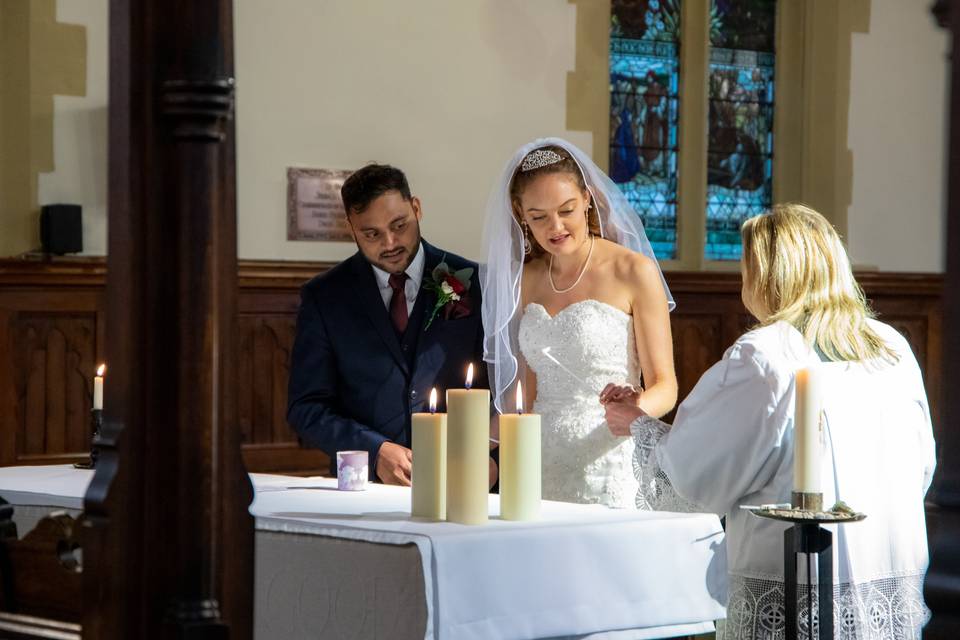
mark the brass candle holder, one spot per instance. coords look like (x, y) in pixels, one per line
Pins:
(807, 501)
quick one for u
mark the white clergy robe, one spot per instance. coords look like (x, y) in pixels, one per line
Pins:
(732, 444)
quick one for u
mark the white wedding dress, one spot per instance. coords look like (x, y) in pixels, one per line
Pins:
(574, 355)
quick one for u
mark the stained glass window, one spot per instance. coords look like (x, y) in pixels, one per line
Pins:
(740, 144)
(644, 78)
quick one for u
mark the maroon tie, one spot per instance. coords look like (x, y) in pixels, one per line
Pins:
(398, 303)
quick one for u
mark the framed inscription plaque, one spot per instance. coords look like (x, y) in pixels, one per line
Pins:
(314, 208)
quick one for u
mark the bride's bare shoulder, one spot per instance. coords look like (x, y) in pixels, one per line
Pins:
(533, 273)
(630, 266)
(533, 269)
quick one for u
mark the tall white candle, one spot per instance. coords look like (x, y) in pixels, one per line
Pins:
(468, 452)
(429, 490)
(807, 436)
(520, 464)
(98, 387)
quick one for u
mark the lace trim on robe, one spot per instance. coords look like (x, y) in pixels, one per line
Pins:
(884, 609)
(656, 493)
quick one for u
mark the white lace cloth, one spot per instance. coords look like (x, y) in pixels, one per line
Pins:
(732, 444)
(574, 355)
(883, 609)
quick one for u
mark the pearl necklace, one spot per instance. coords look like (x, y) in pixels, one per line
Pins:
(583, 270)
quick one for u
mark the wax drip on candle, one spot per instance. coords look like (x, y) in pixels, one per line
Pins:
(433, 400)
(519, 398)
(469, 382)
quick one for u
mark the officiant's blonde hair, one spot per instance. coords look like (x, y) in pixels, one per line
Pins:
(797, 270)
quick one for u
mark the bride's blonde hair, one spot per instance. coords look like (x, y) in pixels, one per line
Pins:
(797, 270)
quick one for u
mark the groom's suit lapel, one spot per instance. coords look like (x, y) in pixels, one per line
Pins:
(369, 299)
(427, 298)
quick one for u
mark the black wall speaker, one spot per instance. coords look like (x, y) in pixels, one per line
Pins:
(61, 228)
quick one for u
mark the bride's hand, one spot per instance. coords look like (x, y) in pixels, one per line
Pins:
(620, 415)
(620, 393)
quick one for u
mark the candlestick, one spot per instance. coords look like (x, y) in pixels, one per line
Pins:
(98, 387)
(520, 486)
(468, 431)
(807, 437)
(429, 476)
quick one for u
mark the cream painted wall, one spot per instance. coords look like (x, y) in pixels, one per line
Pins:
(897, 133)
(80, 132)
(444, 90)
(447, 90)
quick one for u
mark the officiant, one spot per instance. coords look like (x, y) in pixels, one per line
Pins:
(734, 440)
(376, 332)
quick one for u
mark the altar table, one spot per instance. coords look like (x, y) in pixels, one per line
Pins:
(333, 564)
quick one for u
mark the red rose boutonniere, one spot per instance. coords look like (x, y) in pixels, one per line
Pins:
(451, 288)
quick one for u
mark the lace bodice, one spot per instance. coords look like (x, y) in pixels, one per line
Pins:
(574, 355)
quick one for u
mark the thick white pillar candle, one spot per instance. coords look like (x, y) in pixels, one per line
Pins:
(468, 452)
(429, 477)
(807, 436)
(98, 387)
(520, 464)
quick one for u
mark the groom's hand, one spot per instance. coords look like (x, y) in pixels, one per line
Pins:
(620, 415)
(394, 464)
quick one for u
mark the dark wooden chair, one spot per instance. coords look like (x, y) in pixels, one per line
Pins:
(40, 578)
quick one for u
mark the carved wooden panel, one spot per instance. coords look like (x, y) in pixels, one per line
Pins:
(265, 334)
(697, 344)
(45, 556)
(263, 356)
(54, 359)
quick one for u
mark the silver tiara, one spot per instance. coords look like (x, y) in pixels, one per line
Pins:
(539, 158)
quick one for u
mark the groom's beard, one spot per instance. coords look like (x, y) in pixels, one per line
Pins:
(398, 259)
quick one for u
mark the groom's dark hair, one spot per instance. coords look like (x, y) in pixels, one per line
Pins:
(369, 183)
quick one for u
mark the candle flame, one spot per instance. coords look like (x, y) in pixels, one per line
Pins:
(101, 370)
(433, 400)
(469, 376)
(519, 397)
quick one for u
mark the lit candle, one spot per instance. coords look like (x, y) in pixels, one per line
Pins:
(98, 387)
(807, 436)
(468, 452)
(429, 491)
(520, 464)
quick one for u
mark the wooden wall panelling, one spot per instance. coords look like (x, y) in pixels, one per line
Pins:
(708, 319)
(269, 299)
(49, 339)
(913, 305)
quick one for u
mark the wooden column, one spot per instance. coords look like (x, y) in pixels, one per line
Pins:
(169, 542)
(942, 587)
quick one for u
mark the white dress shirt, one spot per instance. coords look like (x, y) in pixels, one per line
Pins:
(412, 286)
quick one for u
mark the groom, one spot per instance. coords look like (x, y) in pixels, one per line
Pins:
(369, 347)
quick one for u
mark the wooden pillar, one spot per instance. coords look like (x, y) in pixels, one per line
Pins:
(169, 541)
(942, 587)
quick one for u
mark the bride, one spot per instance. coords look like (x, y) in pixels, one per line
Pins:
(573, 299)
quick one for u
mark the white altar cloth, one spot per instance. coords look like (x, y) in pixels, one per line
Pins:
(580, 570)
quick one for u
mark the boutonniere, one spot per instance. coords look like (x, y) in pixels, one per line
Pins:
(451, 288)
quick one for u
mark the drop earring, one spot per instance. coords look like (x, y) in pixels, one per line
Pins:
(527, 245)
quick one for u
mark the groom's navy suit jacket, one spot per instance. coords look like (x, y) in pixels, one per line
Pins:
(353, 381)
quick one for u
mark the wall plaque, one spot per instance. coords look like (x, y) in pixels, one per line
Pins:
(314, 208)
